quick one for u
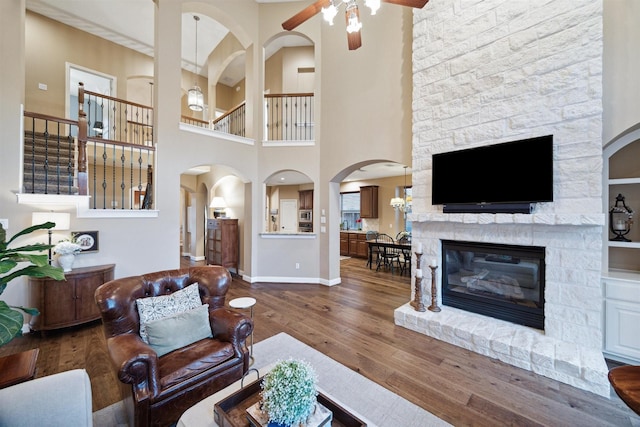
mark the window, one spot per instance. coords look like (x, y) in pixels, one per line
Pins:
(349, 210)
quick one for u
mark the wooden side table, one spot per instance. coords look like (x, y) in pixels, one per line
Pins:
(17, 368)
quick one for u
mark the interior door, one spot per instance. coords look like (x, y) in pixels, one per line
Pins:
(288, 216)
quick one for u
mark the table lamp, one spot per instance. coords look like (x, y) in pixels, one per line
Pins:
(61, 219)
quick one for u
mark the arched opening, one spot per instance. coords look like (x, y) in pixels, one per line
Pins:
(289, 203)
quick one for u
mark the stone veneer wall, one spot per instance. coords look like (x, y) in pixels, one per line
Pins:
(492, 71)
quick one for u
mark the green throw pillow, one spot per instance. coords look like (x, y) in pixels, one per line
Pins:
(154, 308)
(179, 330)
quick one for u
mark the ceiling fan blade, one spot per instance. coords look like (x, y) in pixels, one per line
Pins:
(419, 4)
(354, 40)
(306, 13)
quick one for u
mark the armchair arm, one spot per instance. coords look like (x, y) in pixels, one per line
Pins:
(137, 364)
(231, 326)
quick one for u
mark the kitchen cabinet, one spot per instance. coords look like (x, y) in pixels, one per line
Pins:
(621, 260)
(369, 201)
(344, 243)
(68, 302)
(354, 244)
(222, 243)
(305, 199)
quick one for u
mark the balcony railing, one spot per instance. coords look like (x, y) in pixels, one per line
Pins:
(194, 122)
(63, 156)
(289, 117)
(232, 122)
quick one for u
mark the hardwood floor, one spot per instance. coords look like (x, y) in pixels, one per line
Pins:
(353, 323)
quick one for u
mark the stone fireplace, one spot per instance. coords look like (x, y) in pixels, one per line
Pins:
(489, 72)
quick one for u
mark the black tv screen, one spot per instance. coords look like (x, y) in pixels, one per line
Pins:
(516, 172)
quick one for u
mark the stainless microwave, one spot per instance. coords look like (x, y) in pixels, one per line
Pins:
(305, 215)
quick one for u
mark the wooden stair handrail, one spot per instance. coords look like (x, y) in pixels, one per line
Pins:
(50, 118)
(228, 113)
(287, 95)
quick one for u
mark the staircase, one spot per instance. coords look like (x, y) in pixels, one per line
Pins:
(49, 164)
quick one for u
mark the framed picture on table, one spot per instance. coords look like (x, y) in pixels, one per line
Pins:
(88, 240)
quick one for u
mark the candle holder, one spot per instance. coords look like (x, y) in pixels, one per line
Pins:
(434, 294)
(417, 303)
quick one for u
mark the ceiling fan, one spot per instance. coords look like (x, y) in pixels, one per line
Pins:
(329, 9)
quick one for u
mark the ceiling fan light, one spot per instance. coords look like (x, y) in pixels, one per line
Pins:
(353, 23)
(328, 13)
(195, 99)
(374, 5)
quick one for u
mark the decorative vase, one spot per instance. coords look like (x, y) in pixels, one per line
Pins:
(66, 261)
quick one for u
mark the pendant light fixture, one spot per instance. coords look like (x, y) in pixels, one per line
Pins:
(401, 202)
(195, 98)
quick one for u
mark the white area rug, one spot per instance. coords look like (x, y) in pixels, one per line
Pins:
(372, 403)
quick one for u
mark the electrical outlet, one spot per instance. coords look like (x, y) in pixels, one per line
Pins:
(42, 86)
(297, 266)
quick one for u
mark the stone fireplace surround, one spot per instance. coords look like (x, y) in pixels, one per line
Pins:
(569, 349)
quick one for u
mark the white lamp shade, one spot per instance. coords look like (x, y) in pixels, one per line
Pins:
(218, 203)
(61, 219)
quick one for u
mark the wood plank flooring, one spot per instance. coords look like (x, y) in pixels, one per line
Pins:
(353, 323)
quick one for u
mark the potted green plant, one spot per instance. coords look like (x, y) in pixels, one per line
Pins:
(289, 393)
(11, 318)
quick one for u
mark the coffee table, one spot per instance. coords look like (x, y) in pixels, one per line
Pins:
(202, 413)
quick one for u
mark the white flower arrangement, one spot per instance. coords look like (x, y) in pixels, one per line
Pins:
(65, 247)
(289, 392)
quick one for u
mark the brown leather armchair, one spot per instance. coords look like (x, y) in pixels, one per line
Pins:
(157, 390)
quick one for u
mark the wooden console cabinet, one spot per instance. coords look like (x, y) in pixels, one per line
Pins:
(68, 302)
(222, 242)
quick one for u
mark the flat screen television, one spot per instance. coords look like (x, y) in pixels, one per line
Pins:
(506, 177)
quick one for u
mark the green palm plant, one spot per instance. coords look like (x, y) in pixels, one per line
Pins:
(11, 318)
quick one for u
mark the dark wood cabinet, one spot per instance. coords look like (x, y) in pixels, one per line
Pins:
(354, 244)
(369, 201)
(68, 302)
(305, 199)
(344, 244)
(223, 242)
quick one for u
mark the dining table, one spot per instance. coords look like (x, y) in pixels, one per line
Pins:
(386, 246)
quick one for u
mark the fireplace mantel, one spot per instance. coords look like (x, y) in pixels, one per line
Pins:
(580, 220)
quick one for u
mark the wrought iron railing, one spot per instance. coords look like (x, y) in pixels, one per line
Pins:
(116, 119)
(194, 122)
(49, 155)
(63, 156)
(232, 122)
(289, 117)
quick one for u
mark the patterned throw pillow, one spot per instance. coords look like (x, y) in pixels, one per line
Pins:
(154, 308)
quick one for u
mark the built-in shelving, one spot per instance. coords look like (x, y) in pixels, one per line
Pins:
(621, 260)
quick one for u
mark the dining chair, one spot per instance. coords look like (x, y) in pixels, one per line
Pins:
(405, 255)
(387, 256)
(371, 235)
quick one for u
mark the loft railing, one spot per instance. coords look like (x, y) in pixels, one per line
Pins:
(194, 122)
(289, 117)
(233, 121)
(49, 155)
(116, 119)
(62, 156)
(118, 177)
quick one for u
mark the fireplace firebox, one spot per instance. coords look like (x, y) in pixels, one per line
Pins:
(502, 281)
